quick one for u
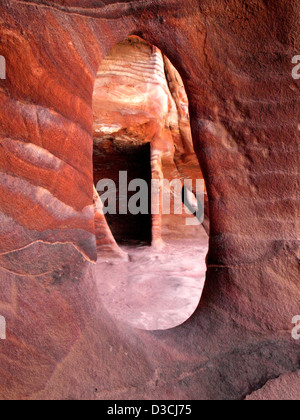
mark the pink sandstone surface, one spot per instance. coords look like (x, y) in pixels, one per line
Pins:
(234, 58)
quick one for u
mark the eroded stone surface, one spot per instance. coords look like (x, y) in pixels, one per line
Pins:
(235, 60)
(284, 388)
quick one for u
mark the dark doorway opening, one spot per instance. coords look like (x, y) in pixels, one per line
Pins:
(112, 156)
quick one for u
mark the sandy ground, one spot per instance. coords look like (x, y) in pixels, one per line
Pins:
(155, 290)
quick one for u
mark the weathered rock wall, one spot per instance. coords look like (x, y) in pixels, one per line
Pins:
(235, 59)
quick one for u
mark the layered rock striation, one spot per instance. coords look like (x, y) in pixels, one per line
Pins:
(235, 60)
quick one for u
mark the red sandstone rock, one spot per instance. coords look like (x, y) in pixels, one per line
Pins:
(284, 388)
(105, 241)
(235, 60)
(139, 98)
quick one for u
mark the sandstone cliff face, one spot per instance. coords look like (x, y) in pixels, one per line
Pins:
(131, 93)
(235, 60)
